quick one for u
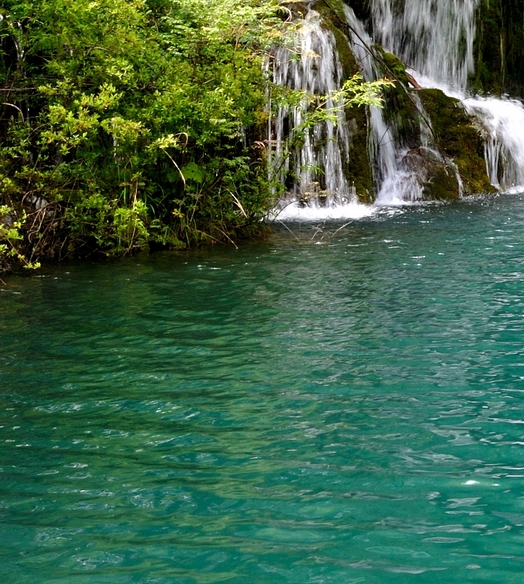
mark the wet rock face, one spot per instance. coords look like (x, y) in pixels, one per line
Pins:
(359, 171)
(361, 8)
(452, 163)
(438, 178)
(499, 44)
(459, 139)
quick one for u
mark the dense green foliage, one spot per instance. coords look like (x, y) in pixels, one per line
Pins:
(129, 122)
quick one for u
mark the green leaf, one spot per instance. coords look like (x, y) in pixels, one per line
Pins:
(193, 172)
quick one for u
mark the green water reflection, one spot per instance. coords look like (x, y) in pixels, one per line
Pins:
(333, 409)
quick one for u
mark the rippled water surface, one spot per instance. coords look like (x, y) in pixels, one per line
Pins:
(325, 407)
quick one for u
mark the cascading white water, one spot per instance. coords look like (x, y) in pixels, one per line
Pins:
(503, 120)
(318, 162)
(435, 38)
(396, 181)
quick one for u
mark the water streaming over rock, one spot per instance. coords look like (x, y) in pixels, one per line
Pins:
(503, 120)
(435, 39)
(394, 179)
(314, 162)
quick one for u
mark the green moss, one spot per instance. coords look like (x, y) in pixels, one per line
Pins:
(345, 54)
(455, 132)
(393, 65)
(332, 10)
(401, 111)
(458, 139)
(359, 172)
(442, 186)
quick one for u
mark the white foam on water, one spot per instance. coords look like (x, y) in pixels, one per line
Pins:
(295, 212)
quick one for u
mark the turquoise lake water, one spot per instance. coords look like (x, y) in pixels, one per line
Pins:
(333, 407)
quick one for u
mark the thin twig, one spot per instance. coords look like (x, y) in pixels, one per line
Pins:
(282, 223)
(227, 237)
(335, 232)
(238, 204)
(318, 230)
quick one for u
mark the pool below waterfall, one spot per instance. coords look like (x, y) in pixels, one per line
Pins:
(339, 404)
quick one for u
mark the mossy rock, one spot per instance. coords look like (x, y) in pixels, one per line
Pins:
(394, 66)
(330, 9)
(334, 19)
(442, 186)
(359, 173)
(459, 139)
(437, 177)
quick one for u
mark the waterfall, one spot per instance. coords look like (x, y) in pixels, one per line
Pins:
(503, 120)
(435, 39)
(396, 182)
(312, 168)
